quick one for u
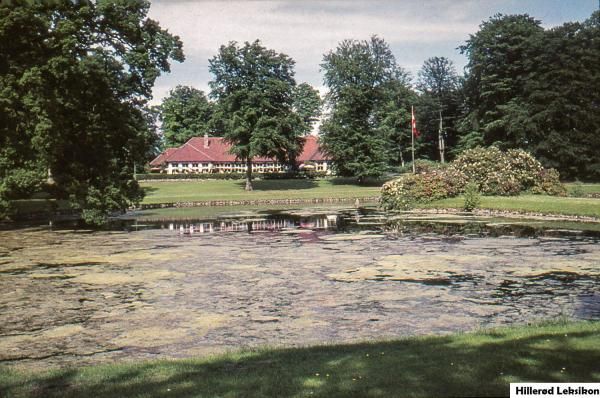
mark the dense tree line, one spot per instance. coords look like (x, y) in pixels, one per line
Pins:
(76, 77)
(524, 87)
(536, 89)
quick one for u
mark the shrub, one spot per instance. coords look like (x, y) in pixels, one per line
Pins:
(455, 180)
(524, 167)
(21, 183)
(506, 173)
(548, 182)
(472, 197)
(488, 171)
(577, 190)
(409, 189)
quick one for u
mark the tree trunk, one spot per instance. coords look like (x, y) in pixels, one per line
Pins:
(248, 174)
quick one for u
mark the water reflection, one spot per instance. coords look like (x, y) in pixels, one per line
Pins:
(369, 220)
(316, 222)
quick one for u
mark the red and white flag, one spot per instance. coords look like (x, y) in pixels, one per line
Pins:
(413, 123)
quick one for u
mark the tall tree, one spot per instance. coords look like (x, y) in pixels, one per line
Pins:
(307, 104)
(184, 113)
(361, 77)
(440, 97)
(563, 99)
(74, 79)
(254, 88)
(499, 62)
(537, 90)
(394, 121)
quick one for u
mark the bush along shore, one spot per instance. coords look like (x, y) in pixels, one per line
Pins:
(490, 170)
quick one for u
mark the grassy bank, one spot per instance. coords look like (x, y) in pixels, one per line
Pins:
(472, 364)
(188, 191)
(529, 203)
(585, 188)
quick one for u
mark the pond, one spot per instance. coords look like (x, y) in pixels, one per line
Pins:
(181, 288)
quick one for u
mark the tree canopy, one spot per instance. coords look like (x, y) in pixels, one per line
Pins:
(500, 59)
(74, 81)
(440, 90)
(363, 80)
(307, 104)
(256, 97)
(537, 90)
(185, 113)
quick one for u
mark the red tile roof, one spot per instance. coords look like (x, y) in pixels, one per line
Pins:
(312, 150)
(160, 159)
(217, 151)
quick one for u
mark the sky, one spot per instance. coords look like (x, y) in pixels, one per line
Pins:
(307, 29)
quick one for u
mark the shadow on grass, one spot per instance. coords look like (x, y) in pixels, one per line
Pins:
(149, 189)
(369, 182)
(480, 364)
(278, 185)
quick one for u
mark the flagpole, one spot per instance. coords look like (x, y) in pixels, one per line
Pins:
(412, 135)
(441, 143)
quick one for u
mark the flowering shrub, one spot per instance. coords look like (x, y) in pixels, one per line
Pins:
(404, 192)
(548, 183)
(502, 173)
(489, 170)
(472, 198)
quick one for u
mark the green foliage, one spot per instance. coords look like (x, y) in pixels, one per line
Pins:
(490, 170)
(577, 190)
(394, 118)
(255, 89)
(21, 183)
(537, 90)
(307, 104)
(472, 197)
(5, 208)
(499, 62)
(422, 166)
(368, 120)
(441, 94)
(74, 79)
(497, 172)
(185, 113)
(548, 182)
(408, 190)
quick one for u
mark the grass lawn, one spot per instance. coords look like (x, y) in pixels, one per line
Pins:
(529, 203)
(471, 364)
(186, 191)
(586, 188)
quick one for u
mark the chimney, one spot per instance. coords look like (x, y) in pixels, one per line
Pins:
(206, 141)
